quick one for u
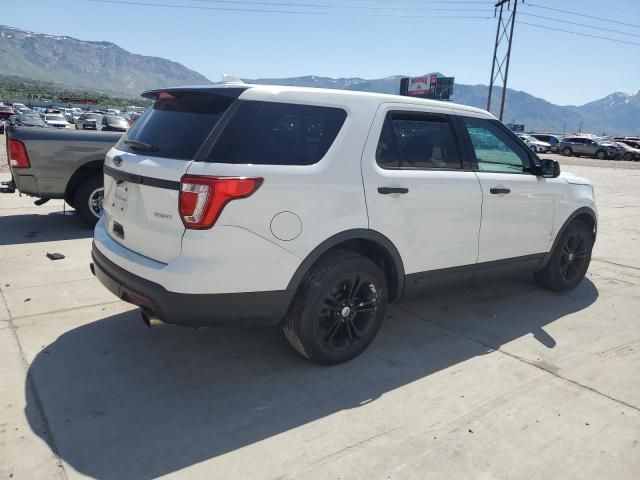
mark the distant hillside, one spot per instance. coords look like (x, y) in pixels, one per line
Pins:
(95, 65)
(104, 66)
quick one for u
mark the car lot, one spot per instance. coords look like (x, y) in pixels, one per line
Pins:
(502, 380)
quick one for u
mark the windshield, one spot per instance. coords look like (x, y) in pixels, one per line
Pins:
(31, 120)
(116, 120)
(56, 118)
(529, 138)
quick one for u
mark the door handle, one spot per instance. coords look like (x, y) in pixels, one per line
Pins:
(388, 190)
(497, 190)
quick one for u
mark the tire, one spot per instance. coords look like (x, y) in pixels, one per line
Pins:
(84, 127)
(322, 323)
(567, 151)
(88, 200)
(628, 156)
(569, 260)
(601, 155)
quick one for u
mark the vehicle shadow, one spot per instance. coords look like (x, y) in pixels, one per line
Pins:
(34, 228)
(123, 401)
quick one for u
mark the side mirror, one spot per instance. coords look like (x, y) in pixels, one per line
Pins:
(549, 168)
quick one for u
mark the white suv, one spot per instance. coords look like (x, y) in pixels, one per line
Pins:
(315, 208)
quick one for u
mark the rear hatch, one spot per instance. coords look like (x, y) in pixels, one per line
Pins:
(143, 170)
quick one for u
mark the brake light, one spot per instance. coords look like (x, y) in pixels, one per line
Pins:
(202, 198)
(18, 157)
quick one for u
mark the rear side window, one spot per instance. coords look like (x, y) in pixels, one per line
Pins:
(178, 123)
(411, 140)
(270, 133)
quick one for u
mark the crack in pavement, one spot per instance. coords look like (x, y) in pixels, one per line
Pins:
(520, 359)
(36, 396)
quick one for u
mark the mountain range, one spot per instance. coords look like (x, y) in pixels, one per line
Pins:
(104, 66)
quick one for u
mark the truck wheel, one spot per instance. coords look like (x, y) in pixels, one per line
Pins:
(338, 308)
(88, 200)
(569, 260)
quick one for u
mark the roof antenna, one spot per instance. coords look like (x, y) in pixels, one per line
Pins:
(230, 79)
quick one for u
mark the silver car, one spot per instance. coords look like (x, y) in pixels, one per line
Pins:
(589, 146)
(89, 121)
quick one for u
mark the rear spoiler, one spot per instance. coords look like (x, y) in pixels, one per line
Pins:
(228, 90)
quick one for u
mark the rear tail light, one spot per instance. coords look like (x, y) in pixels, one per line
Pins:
(202, 198)
(18, 157)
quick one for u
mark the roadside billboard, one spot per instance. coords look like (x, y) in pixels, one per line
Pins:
(427, 86)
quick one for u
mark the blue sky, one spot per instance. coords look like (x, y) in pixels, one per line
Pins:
(364, 38)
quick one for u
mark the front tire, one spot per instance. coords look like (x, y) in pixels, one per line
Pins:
(569, 260)
(601, 155)
(628, 156)
(567, 151)
(88, 200)
(338, 308)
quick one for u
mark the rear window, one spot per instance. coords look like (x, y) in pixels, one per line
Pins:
(270, 133)
(179, 122)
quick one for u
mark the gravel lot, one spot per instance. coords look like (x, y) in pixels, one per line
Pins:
(500, 381)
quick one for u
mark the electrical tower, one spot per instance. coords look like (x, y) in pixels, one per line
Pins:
(504, 35)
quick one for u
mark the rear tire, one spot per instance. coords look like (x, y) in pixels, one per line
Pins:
(338, 309)
(567, 151)
(88, 200)
(569, 260)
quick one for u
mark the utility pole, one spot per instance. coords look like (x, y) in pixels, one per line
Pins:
(504, 34)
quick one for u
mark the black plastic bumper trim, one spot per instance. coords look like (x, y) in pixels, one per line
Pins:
(194, 310)
(140, 179)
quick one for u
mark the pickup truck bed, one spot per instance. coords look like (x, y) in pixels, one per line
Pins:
(62, 164)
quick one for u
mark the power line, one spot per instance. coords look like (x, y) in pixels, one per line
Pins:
(580, 24)
(583, 15)
(348, 7)
(579, 33)
(294, 12)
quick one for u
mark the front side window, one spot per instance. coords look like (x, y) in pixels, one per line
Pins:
(273, 133)
(412, 140)
(495, 150)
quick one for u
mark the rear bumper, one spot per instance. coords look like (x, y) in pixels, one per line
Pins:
(194, 310)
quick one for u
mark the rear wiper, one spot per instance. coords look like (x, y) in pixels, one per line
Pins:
(136, 145)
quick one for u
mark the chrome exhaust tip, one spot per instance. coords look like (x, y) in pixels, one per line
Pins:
(149, 319)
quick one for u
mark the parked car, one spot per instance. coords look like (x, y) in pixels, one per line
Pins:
(56, 120)
(534, 144)
(591, 146)
(5, 112)
(18, 106)
(57, 163)
(27, 120)
(629, 152)
(89, 120)
(314, 208)
(552, 140)
(114, 123)
(629, 141)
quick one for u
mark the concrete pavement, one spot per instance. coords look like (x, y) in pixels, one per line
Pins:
(500, 381)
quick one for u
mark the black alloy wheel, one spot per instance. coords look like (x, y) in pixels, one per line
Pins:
(568, 262)
(338, 308)
(574, 256)
(348, 313)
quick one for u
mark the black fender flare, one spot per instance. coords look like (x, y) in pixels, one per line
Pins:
(581, 211)
(354, 234)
